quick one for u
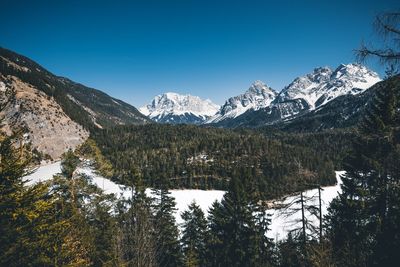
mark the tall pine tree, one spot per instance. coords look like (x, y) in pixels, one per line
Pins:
(194, 229)
(363, 220)
(237, 229)
(168, 250)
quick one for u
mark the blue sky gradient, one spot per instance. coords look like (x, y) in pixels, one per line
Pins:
(134, 50)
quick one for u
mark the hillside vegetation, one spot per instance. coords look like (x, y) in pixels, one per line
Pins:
(195, 157)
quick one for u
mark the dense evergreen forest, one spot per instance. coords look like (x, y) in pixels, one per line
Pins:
(69, 222)
(207, 158)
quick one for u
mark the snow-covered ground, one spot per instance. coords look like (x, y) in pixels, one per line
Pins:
(43, 173)
(183, 198)
(280, 225)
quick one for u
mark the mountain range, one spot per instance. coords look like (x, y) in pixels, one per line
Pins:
(59, 114)
(303, 95)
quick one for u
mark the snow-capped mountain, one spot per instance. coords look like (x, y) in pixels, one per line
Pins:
(259, 95)
(301, 96)
(324, 84)
(175, 108)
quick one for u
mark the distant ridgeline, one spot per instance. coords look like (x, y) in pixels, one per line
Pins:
(89, 107)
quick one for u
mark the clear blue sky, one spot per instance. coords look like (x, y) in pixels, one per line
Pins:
(134, 50)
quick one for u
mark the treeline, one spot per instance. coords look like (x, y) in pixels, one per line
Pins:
(70, 222)
(207, 158)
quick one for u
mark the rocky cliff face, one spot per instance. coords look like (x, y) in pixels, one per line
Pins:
(304, 94)
(47, 127)
(324, 84)
(57, 113)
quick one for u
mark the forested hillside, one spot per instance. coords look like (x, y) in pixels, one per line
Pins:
(89, 107)
(194, 157)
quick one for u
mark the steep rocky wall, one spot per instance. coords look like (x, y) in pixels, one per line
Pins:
(49, 129)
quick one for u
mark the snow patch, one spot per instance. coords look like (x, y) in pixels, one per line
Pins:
(280, 225)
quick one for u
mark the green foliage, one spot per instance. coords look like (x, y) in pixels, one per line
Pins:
(168, 252)
(206, 158)
(237, 230)
(194, 237)
(136, 244)
(363, 221)
(89, 150)
(26, 213)
(85, 213)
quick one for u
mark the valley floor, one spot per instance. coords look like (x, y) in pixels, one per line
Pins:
(280, 224)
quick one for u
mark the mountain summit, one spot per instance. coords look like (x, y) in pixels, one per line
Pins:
(259, 95)
(324, 84)
(261, 105)
(175, 108)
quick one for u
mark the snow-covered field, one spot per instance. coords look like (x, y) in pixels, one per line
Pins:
(280, 225)
(183, 198)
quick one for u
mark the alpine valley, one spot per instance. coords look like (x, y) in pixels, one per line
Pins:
(304, 175)
(59, 114)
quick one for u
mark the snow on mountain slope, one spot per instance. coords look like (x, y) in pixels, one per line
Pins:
(323, 84)
(280, 225)
(259, 95)
(176, 108)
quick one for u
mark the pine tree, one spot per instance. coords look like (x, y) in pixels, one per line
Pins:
(137, 240)
(193, 239)
(237, 232)
(76, 202)
(166, 234)
(362, 219)
(214, 242)
(102, 225)
(24, 211)
(289, 252)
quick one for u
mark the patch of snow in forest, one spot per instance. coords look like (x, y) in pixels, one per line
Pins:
(43, 173)
(280, 225)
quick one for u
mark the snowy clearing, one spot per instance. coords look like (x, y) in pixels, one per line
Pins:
(280, 225)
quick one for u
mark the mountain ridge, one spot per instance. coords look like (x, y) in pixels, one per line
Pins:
(177, 108)
(57, 112)
(306, 93)
(258, 95)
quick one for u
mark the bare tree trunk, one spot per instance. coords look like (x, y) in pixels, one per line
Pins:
(320, 214)
(303, 219)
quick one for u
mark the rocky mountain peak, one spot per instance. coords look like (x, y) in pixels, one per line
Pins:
(257, 96)
(323, 84)
(176, 108)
